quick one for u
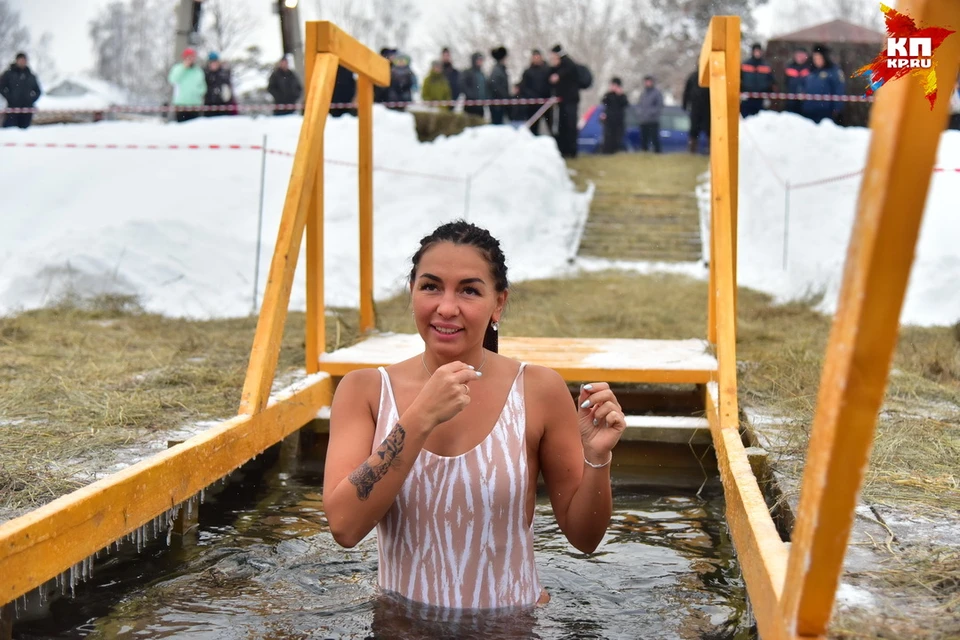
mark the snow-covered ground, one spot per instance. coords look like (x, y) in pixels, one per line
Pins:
(178, 228)
(776, 148)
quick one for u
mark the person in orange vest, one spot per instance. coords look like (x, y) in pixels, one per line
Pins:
(755, 76)
(795, 76)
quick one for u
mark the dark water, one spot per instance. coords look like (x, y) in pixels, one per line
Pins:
(263, 565)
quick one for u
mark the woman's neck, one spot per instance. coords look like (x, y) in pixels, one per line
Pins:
(475, 357)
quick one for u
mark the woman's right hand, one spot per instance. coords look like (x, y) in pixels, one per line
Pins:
(446, 393)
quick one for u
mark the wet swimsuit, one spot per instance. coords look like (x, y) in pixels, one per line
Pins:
(457, 534)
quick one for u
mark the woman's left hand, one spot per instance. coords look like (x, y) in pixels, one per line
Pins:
(600, 419)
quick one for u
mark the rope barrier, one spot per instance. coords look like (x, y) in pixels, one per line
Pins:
(805, 96)
(269, 108)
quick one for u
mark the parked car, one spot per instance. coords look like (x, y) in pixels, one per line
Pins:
(674, 128)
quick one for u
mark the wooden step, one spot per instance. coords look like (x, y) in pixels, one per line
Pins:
(668, 429)
(576, 359)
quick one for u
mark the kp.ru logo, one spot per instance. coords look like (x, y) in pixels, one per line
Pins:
(910, 50)
(909, 53)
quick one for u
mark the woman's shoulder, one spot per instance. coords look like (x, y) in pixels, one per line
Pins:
(544, 381)
(363, 383)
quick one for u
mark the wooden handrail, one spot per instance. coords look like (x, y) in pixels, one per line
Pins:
(48, 541)
(300, 195)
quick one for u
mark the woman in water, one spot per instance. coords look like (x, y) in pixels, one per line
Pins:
(442, 452)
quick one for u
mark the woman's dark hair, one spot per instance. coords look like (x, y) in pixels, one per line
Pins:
(462, 232)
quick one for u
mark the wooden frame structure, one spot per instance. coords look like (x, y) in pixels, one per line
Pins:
(41, 545)
(792, 590)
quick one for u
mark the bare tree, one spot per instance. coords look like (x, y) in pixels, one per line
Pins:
(126, 38)
(587, 29)
(375, 23)
(42, 62)
(14, 37)
(229, 26)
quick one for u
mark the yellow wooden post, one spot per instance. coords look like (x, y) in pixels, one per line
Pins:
(315, 338)
(903, 148)
(276, 298)
(365, 115)
(731, 49)
(723, 35)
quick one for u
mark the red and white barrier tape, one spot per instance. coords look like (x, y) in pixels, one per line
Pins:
(268, 108)
(213, 147)
(804, 96)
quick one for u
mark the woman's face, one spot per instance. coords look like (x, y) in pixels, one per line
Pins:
(454, 298)
(818, 60)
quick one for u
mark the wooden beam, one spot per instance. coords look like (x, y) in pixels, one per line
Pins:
(725, 279)
(315, 339)
(903, 149)
(276, 298)
(760, 552)
(365, 114)
(40, 545)
(731, 48)
(352, 54)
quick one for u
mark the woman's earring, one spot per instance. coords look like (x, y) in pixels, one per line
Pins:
(495, 325)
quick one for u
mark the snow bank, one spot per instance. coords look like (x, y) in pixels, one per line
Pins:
(179, 227)
(775, 148)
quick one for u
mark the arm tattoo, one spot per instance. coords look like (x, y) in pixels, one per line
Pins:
(386, 456)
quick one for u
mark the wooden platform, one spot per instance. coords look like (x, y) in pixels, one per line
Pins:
(576, 359)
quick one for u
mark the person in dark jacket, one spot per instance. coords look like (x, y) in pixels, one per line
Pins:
(473, 84)
(402, 82)
(219, 88)
(285, 87)
(344, 91)
(649, 110)
(535, 85)
(20, 88)
(614, 117)
(380, 94)
(566, 87)
(825, 78)
(499, 84)
(794, 77)
(755, 76)
(450, 73)
(696, 102)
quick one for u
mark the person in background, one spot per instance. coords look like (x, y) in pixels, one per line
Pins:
(474, 84)
(566, 86)
(189, 85)
(825, 78)
(403, 82)
(380, 94)
(450, 73)
(285, 87)
(535, 85)
(517, 112)
(436, 88)
(955, 106)
(499, 84)
(219, 88)
(20, 88)
(649, 109)
(794, 77)
(696, 102)
(756, 76)
(614, 116)
(344, 92)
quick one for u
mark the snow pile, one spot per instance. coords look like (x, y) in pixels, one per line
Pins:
(178, 228)
(775, 148)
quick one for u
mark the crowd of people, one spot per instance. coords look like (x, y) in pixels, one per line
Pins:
(557, 76)
(810, 73)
